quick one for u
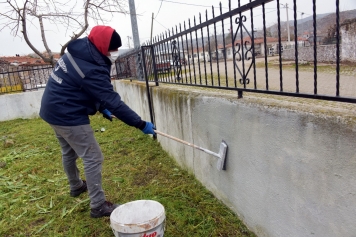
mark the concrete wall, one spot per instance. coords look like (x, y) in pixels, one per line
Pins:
(325, 53)
(288, 173)
(20, 105)
(348, 35)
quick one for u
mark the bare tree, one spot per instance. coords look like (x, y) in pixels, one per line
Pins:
(17, 15)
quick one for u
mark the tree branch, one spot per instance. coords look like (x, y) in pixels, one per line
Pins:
(24, 31)
(84, 28)
(49, 13)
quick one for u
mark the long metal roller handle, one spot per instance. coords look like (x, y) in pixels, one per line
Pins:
(187, 143)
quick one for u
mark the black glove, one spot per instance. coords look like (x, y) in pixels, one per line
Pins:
(107, 114)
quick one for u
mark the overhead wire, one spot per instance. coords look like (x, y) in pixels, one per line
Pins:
(196, 5)
(158, 10)
(160, 24)
(299, 11)
(190, 4)
(218, 26)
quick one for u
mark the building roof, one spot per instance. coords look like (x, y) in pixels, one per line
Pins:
(24, 60)
(258, 40)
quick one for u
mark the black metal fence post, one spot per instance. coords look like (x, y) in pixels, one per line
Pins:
(147, 85)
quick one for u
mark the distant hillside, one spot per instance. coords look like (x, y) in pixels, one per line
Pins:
(324, 22)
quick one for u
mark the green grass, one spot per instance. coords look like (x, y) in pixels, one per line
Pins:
(34, 194)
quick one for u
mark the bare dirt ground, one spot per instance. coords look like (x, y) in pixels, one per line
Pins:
(325, 83)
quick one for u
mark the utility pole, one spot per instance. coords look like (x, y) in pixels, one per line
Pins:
(152, 26)
(286, 6)
(301, 15)
(128, 41)
(302, 35)
(136, 38)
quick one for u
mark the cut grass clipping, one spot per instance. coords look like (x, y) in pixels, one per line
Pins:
(34, 193)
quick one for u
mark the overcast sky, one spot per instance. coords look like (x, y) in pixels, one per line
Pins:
(168, 14)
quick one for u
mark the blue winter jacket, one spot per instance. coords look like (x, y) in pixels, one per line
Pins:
(68, 98)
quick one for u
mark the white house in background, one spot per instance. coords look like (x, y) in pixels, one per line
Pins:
(259, 46)
(167, 55)
(218, 53)
(198, 55)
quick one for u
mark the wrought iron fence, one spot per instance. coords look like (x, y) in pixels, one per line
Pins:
(128, 66)
(125, 66)
(247, 60)
(24, 78)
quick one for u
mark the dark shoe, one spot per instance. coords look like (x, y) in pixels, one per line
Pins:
(104, 210)
(77, 192)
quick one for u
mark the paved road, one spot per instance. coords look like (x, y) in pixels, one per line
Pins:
(326, 81)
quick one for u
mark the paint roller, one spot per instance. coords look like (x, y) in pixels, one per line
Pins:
(221, 155)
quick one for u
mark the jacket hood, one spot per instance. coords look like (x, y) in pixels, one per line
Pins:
(100, 36)
(87, 51)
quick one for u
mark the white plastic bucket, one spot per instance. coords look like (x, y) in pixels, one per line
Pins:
(141, 218)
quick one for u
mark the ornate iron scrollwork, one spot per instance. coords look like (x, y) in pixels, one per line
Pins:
(242, 50)
(176, 62)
